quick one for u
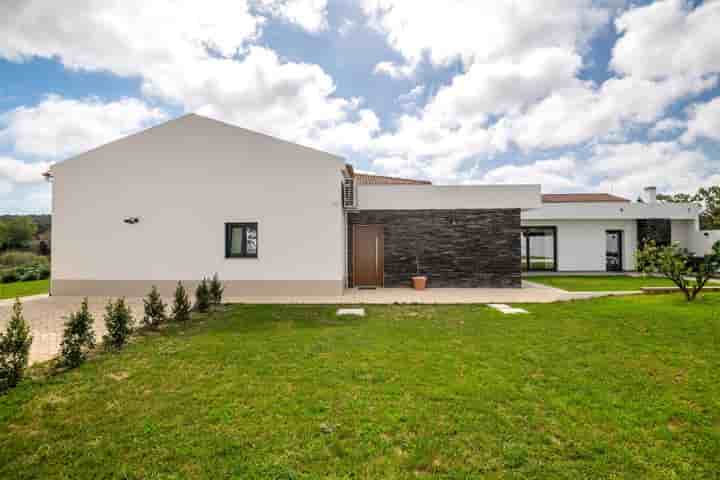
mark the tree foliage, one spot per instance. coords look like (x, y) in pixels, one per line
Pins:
(154, 309)
(181, 304)
(119, 323)
(14, 349)
(216, 290)
(78, 337)
(17, 231)
(690, 275)
(708, 197)
(202, 296)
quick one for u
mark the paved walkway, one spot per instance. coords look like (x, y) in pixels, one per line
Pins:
(46, 314)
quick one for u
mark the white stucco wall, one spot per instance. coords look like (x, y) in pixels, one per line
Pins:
(185, 180)
(439, 197)
(581, 243)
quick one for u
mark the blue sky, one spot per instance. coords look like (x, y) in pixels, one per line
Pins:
(578, 95)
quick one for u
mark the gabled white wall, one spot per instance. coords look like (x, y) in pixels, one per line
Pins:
(185, 180)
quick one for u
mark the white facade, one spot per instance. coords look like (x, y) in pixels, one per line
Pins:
(184, 180)
(581, 230)
(446, 197)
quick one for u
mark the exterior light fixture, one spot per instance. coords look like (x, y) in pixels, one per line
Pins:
(132, 220)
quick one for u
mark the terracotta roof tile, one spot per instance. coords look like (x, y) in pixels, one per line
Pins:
(364, 179)
(581, 198)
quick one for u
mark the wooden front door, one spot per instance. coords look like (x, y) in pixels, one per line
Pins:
(368, 255)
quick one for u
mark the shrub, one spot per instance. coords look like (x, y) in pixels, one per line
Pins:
(14, 349)
(78, 337)
(181, 304)
(202, 296)
(9, 276)
(216, 290)
(677, 265)
(16, 258)
(119, 323)
(154, 309)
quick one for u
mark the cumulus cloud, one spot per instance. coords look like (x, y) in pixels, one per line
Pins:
(203, 59)
(481, 31)
(555, 175)
(311, 15)
(704, 121)
(59, 127)
(15, 171)
(668, 37)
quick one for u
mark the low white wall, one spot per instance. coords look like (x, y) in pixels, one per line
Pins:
(442, 197)
(701, 241)
(613, 211)
(581, 243)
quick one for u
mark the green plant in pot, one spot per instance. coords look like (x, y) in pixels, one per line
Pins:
(419, 281)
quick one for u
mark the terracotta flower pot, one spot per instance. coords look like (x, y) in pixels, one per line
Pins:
(419, 282)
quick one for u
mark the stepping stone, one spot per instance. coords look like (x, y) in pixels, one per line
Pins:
(355, 312)
(506, 309)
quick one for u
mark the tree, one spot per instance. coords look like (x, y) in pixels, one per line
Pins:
(19, 231)
(78, 336)
(181, 304)
(154, 309)
(119, 323)
(675, 264)
(708, 197)
(216, 290)
(14, 349)
(202, 296)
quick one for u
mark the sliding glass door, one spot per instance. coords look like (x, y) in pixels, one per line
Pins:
(539, 249)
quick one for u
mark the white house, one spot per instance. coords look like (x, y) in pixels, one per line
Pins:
(194, 196)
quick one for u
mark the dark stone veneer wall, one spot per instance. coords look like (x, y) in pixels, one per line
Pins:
(457, 248)
(657, 229)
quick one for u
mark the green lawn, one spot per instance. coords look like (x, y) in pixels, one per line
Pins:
(23, 289)
(600, 283)
(608, 388)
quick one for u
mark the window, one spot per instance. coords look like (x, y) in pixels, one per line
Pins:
(241, 240)
(539, 248)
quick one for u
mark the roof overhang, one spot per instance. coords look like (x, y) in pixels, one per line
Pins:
(613, 211)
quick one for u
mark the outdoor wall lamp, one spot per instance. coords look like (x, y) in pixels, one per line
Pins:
(132, 220)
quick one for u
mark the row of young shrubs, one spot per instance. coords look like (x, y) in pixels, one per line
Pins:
(79, 335)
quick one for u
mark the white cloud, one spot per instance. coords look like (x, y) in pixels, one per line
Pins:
(581, 113)
(236, 81)
(704, 121)
(59, 127)
(480, 31)
(394, 70)
(15, 171)
(667, 125)
(627, 168)
(555, 175)
(668, 37)
(311, 15)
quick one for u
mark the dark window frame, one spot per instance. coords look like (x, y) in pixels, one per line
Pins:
(228, 240)
(528, 257)
(621, 248)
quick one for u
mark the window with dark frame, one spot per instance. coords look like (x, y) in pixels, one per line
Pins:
(241, 240)
(539, 249)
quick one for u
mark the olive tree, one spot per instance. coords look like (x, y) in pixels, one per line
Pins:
(688, 273)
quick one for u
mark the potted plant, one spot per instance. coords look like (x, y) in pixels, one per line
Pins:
(419, 281)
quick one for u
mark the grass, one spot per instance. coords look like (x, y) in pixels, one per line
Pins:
(609, 388)
(24, 289)
(600, 283)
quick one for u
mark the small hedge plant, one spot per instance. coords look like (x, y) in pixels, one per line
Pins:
(78, 337)
(14, 349)
(119, 322)
(202, 296)
(216, 290)
(154, 309)
(181, 304)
